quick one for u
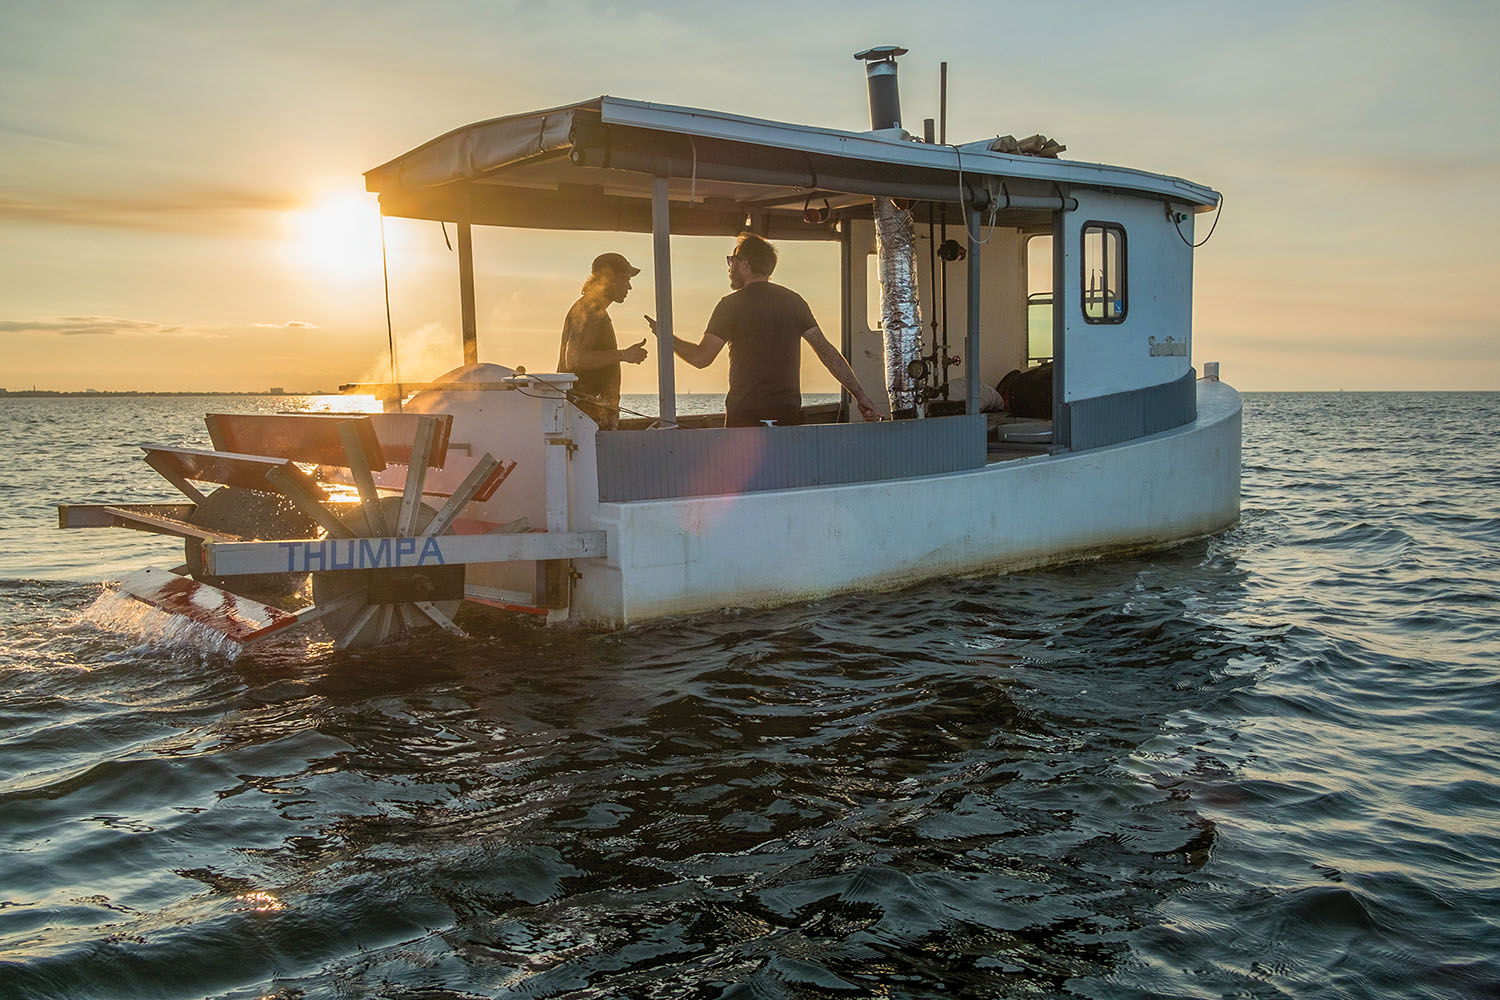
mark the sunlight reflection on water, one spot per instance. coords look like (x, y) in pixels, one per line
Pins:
(1261, 765)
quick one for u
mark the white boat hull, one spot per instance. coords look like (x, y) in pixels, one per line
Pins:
(668, 557)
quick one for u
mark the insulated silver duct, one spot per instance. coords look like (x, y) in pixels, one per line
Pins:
(900, 315)
(895, 246)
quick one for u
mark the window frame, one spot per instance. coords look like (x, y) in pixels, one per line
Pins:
(1034, 300)
(1122, 293)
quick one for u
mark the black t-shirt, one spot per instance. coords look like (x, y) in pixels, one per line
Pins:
(763, 325)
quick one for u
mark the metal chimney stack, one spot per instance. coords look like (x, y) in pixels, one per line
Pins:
(885, 92)
(895, 247)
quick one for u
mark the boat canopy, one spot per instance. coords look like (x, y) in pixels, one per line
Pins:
(612, 164)
(593, 166)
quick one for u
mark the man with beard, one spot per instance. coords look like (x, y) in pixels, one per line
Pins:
(588, 341)
(764, 325)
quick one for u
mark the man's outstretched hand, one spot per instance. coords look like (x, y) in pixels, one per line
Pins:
(635, 353)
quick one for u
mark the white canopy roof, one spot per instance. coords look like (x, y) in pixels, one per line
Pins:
(590, 166)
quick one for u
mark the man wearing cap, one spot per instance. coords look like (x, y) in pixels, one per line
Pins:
(588, 341)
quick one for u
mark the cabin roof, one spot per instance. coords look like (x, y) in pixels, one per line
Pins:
(591, 166)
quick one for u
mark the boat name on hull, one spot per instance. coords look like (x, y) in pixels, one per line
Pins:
(360, 553)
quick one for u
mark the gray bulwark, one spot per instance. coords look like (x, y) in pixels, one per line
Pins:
(1124, 416)
(662, 464)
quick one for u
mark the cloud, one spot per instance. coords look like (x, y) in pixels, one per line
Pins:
(112, 326)
(102, 326)
(202, 210)
(1373, 343)
(1393, 166)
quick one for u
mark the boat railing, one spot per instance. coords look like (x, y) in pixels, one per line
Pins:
(662, 464)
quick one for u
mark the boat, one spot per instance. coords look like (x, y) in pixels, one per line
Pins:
(491, 485)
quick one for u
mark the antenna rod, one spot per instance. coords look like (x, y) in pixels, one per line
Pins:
(943, 103)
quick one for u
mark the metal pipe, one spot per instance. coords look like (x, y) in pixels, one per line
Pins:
(971, 362)
(466, 292)
(661, 231)
(846, 310)
(901, 320)
(885, 91)
(1062, 430)
(943, 103)
(943, 232)
(935, 373)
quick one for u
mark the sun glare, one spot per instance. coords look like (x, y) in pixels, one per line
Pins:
(340, 235)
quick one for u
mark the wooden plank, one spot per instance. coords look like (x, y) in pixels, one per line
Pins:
(385, 438)
(399, 390)
(225, 468)
(351, 632)
(490, 485)
(552, 583)
(519, 602)
(171, 472)
(411, 618)
(398, 432)
(164, 525)
(436, 617)
(313, 612)
(497, 597)
(308, 501)
(478, 478)
(388, 620)
(300, 437)
(360, 471)
(234, 617)
(416, 475)
(305, 555)
(105, 515)
(486, 489)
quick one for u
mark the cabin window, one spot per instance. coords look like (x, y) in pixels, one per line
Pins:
(1038, 299)
(1103, 272)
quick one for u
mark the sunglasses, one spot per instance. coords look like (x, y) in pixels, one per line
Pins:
(731, 259)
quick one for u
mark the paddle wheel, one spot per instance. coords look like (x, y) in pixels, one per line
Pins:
(376, 525)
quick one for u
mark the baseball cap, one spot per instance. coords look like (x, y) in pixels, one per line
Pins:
(614, 262)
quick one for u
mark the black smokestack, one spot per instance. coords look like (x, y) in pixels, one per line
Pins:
(885, 92)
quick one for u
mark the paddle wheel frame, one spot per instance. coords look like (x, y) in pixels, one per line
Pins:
(390, 559)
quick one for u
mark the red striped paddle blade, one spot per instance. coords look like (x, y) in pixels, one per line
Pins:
(238, 618)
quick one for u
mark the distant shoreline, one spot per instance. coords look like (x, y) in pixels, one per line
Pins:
(135, 393)
(116, 394)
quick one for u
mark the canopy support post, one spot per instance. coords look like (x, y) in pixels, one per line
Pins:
(846, 312)
(661, 233)
(466, 292)
(1062, 425)
(971, 348)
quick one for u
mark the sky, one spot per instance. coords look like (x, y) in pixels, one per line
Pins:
(182, 207)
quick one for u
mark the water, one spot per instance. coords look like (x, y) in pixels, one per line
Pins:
(1262, 765)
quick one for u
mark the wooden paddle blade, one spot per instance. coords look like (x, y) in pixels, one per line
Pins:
(238, 618)
(364, 481)
(416, 475)
(435, 616)
(479, 476)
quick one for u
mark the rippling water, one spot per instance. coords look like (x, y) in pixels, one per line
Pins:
(1264, 765)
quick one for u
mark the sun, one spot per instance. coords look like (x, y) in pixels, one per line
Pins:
(339, 235)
